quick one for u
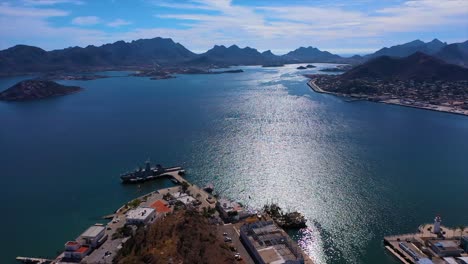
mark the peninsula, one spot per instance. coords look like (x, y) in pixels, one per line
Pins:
(36, 89)
(419, 80)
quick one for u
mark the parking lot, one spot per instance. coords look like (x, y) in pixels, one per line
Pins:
(234, 235)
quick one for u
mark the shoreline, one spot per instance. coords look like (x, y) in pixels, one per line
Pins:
(113, 238)
(313, 86)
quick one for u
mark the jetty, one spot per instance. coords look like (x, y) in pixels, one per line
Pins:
(33, 260)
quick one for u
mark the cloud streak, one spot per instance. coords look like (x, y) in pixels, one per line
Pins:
(86, 20)
(118, 23)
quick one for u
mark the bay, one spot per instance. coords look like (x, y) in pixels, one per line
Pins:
(357, 170)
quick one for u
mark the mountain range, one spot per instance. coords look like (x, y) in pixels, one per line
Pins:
(164, 52)
(418, 66)
(456, 53)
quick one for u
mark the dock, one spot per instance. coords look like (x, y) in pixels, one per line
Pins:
(427, 246)
(111, 239)
(33, 260)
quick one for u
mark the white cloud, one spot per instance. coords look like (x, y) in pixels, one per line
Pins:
(86, 20)
(118, 22)
(283, 25)
(9, 10)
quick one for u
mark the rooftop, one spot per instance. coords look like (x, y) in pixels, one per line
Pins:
(160, 207)
(273, 245)
(93, 231)
(140, 213)
(71, 243)
(229, 205)
(82, 249)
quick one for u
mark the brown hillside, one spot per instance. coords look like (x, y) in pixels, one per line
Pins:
(181, 237)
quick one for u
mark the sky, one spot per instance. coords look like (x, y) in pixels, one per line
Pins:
(339, 26)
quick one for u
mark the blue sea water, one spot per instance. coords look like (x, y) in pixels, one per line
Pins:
(358, 171)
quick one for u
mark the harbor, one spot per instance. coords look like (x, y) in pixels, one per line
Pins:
(253, 236)
(432, 244)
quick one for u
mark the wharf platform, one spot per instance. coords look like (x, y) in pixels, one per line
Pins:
(33, 260)
(417, 243)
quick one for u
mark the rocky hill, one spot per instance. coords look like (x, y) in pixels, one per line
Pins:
(143, 52)
(311, 54)
(181, 237)
(409, 48)
(36, 89)
(418, 66)
(456, 53)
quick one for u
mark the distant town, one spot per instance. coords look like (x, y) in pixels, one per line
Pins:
(445, 96)
(418, 80)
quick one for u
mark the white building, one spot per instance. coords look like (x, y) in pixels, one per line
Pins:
(140, 215)
(74, 250)
(94, 235)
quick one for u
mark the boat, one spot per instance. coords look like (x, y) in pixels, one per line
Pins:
(148, 173)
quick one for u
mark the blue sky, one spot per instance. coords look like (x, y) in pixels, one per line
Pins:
(340, 26)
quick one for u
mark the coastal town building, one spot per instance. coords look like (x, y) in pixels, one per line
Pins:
(445, 248)
(140, 215)
(161, 207)
(75, 251)
(267, 243)
(94, 236)
(231, 211)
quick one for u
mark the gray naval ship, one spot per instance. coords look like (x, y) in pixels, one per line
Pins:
(148, 173)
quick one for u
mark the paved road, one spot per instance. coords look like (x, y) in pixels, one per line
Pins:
(233, 233)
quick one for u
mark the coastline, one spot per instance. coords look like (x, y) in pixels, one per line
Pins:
(437, 108)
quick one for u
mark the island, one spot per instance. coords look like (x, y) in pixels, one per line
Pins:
(418, 80)
(36, 89)
(160, 74)
(71, 76)
(301, 68)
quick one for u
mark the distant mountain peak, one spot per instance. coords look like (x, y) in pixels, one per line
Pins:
(417, 66)
(415, 42)
(436, 40)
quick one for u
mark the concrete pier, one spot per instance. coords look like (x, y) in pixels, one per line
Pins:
(412, 247)
(33, 260)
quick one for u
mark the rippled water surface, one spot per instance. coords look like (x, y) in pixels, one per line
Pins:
(358, 170)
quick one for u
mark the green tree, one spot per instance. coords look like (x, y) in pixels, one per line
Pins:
(185, 186)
